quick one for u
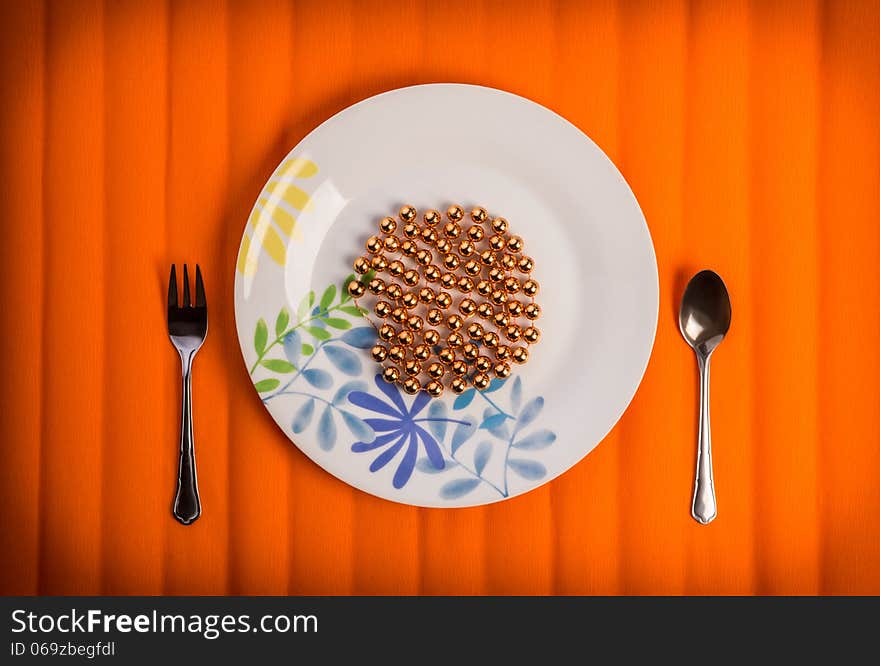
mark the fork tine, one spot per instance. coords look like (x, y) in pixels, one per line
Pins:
(186, 301)
(172, 288)
(200, 289)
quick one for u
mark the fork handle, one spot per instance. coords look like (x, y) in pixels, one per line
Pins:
(187, 506)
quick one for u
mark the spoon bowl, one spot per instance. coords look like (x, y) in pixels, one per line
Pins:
(704, 317)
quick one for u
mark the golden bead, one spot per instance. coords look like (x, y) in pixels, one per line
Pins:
(376, 286)
(423, 257)
(502, 352)
(470, 351)
(411, 230)
(361, 265)
(374, 245)
(502, 370)
(411, 385)
(382, 309)
(429, 236)
(498, 297)
(454, 340)
(472, 268)
(525, 265)
(431, 337)
(459, 385)
(496, 275)
(515, 244)
(387, 332)
(466, 248)
(436, 370)
(533, 311)
(479, 214)
(531, 335)
(483, 363)
(513, 332)
(476, 233)
(491, 339)
(391, 374)
(444, 246)
(446, 356)
(432, 218)
(512, 285)
(391, 243)
(444, 300)
(454, 322)
(499, 225)
(421, 352)
(356, 289)
(434, 316)
(484, 287)
(485, 311)
(465, 285)
(520, 355)
(487, 257)
(530, 287)
(508, 262)
(379, 263)
(497, 242)
(405, 338)
(415, 323)
(407, 213)
(481, 381)
(411, 278)
(475, 331)
(451, 261)
(396, 268)
(447, 280)
(454, 213)
(434, 389)
(452, 230)
(459, 368)
(379, 353)
(394, 291)
(514, 308)
(432, 273)
(409, 300)
(467, 307)
(427, 295)
(408, 248)
(397, 353)
(501, 319)
(388, 225)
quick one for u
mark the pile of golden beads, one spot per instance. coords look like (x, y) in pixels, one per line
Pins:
(453, 302)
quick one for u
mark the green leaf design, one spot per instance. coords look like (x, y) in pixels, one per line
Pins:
(335, 322)
(328, 296)
(261, 336)
(352, 310)
(307, 349)
(305, 305)
(278, 365)
(318, 333)
(282, 322)
(266, 385)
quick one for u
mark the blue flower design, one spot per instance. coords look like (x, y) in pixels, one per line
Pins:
(397, 428)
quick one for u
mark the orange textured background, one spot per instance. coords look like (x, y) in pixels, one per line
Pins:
(137, 133)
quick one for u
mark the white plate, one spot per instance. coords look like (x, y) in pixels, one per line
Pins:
(430, 146)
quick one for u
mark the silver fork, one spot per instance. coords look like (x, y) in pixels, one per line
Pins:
(187, 328)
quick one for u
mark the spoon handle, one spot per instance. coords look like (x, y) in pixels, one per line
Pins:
(703, 509)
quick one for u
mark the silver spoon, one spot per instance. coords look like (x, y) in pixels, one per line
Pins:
(704, 319)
